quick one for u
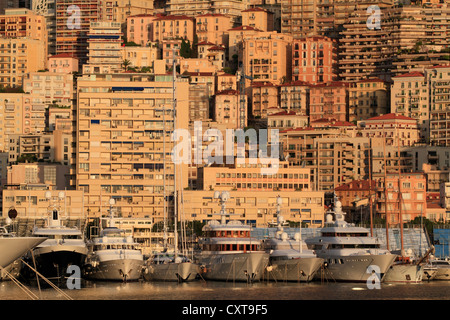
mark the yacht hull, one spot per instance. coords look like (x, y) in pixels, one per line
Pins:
(181, 272)
(355, 268)
(429, 273)
(410, 273)
(53, 261)
(115, 270)
(12, 248)
(302, 269)
(247, 267)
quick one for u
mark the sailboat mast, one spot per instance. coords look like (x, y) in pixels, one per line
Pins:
(385, 190)
(175, 196)
(399, 191)
(370, 188)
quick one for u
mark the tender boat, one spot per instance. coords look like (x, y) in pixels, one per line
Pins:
(289, 258)
(349, 252)
(228, 252)
(113, 256)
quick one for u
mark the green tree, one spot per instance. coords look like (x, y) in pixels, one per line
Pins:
(185, 49)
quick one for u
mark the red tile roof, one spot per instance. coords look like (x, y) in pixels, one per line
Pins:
(244, 28)
(410, 75)
(390, 116)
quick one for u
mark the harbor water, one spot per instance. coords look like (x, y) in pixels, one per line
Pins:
(214, 291)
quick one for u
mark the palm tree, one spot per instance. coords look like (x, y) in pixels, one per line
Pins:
(125, 64)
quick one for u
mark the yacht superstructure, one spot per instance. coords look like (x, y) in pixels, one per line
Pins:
(349, 252)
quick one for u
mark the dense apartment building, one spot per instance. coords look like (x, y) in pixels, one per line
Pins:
(294, 96)
(227, 109)
(140, 28)
(425, 97)
(63, 63)
(368, 98)
(257, 209)
(73, 21)
(120, 10)
(104, 44)
(23, 23)
(329, 101)
(19, 56)
(314, 59)
(52, 88)
(124, 125)
(258, 18)
(401, 197)
(264, 95)
(267, 56)
(173, 27)
(213, 28)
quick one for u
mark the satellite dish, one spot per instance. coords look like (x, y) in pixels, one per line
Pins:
(48, 195)
(216, 194)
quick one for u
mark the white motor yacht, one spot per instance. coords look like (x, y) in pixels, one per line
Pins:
(442, 268)
(63, 246)
(289, 258)
(228, 252)
(349, 252)
(113, 256)
(165, 266)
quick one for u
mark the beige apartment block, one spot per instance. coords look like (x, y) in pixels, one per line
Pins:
(294, 96)
(140, 29)
(425, 97)
(287, 120)
(198, 102)
(329, 101)
(264, 96)
(24, 23)
(173, 27)
(267, 57)
(250, 176)
(13, 115)
(19, 56)
(24, 146)
(391, 130)
(190, 8)
(227, 109)
(231, 8)
(30, 201)
(63, 63)
(438, 78)
(169, 48)
(105, 42)
(141, 57)
(203, 78)
(409, 97)
(213, 28)
(236, 37)
(196, 65)
(226, 81)
(120, 10)
(333, 154)
(124, 146)
(258, 208)
(258, 18)
(53, 175)
(368, 98)
(53, 88)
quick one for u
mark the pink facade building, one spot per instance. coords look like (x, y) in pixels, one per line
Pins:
(329, 100)
(140, 28)
(63, 63)
(315, 59)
